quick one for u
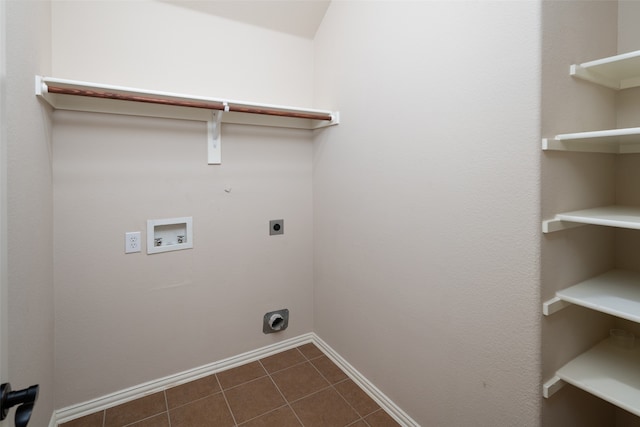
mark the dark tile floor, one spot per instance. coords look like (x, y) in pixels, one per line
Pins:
(298, 387)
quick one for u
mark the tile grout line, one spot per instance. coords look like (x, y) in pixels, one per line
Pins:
(360, 417)
(312, 394)
(266, 413)
(246, 382)
(233, 417)
(166, 404)
(330, 386)
(203, 398)
(379, 408)
(166, 411)
(284, 369)
(206, 396)
(146, 418)
(282, 394)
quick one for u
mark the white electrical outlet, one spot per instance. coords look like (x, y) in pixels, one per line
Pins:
(132, 242)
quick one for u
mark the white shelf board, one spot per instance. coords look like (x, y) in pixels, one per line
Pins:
(610, 216)
(615, 72)
(609, 372)
(620, 141)
(115, 106)
(616, 292)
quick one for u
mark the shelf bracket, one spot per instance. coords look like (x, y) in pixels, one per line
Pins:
(552, 225)
(552, 386)
(554, 305)
(593, 77)
(214, 138)
(579, 145)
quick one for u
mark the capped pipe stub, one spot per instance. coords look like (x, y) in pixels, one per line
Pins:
(275, 321)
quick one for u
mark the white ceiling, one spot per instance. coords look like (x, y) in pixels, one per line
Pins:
(298, 17)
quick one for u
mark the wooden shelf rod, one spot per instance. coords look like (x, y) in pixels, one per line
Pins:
(219, 106)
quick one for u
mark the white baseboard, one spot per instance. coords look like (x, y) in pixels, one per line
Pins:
(381, 399)
(79, 410)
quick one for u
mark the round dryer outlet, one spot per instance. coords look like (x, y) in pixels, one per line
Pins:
(275, 321)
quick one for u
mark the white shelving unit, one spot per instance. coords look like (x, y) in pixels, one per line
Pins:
(102, 98)
(615, 72)
(606, 370)
(610, 372)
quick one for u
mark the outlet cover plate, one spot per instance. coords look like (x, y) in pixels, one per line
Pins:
(132, 242)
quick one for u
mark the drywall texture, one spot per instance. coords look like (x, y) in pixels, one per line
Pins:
(29, 206)
(139, 317)
(627, 166)
(153, 45)
(4, 315)
(300, 18)
(628, 29)
(426, 202)
(122, 320)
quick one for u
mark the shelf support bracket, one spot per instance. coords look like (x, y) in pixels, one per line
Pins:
(214, 138)
(578, 145)
(552, 225)
(590, 76)
(554, 305)
(552, 386)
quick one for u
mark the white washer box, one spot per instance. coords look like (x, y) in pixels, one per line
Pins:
(172, 234)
